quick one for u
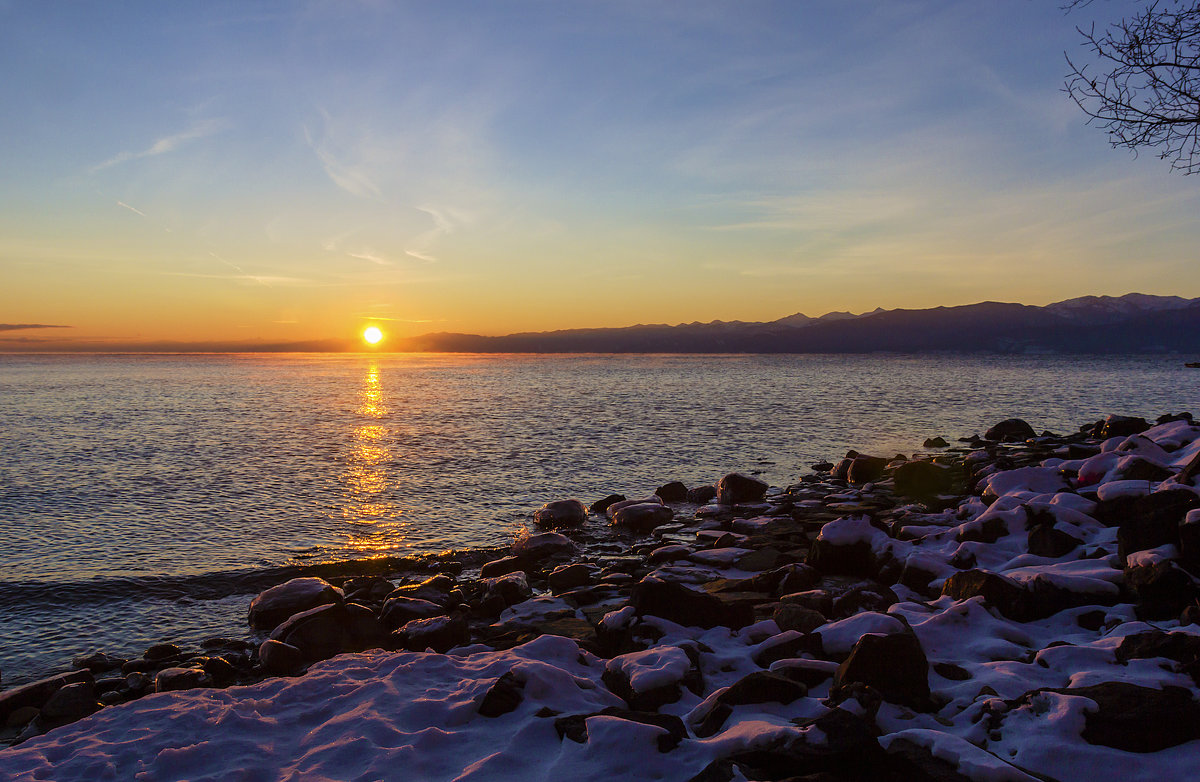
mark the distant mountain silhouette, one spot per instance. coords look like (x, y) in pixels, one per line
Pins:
(1132, 323)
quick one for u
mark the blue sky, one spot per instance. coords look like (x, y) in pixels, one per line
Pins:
(276, 171)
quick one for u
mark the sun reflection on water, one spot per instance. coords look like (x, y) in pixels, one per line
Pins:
(370, 504)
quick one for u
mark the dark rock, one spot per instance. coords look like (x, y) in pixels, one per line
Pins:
(363, 629)
(757, 687)
(789, 616)
(670, 553)
(642, 517)
(1152, 520)
(276, 604)
(935, 442)
(567, 577)
(1135, 468)
(574, 727)
(561, 513)
(736, 488)
(672, 492)
(787, 645)
(702, 495)
(319, 633)
(1091, 620)
(866, 597)
(600, 506)
(68, 704)
(1163, 590)
(37, 693)
(920, 479)
(766, 558)
(439, 633)
(280, 659)
(536, 549)
(865, 469)
(1011, 430)
(818, 600)
(854, 559)
(503, 696)
(1003, 594)
(1138, 719)
(174, 679)
(1180, 647)
(1121, 426)
(952, 672)
(511, 588)
(1189, 541)
(502, 566)
(895, 665)
(793, 578)
(688, 607)
(1046, 541)
(221, 671)
(162, 652)
(98, 662)
(398, 611)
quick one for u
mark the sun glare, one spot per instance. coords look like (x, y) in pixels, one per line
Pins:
(372, 335)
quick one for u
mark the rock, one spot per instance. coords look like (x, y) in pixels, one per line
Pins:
(35, 694)
(895, 665)
(1121, 426)
(670, 553)
(319, 633)
(535, 549)
(69, 703)
(439, 633)
(818, 600)
(174, 679)
(162, 652)
(757, 687)
(276, 604)
(561, 513)
(789, 616)
(688, 607)
(22, 716)
(511, 588)
(503, 696)
(280, 659)
(672, 492)
(502, 566)
(865, 469)
(786, 645)
(1189, 541)
(835, 557)
(702, 495)
(567, 577)
(935, 442)
(736, 488)
(1045, 540)
(920, 479)
(652, 678)
(642, 517)
(653, 499)
(440, 589)
(1138, 719)
(574, 727)
(794, 578)
(98, 662)
(1163, 590)
(1003, 594)
(601, 506)
(1152, 520)
(1011, 430)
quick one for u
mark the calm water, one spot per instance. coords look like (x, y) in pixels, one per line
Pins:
(141, 495)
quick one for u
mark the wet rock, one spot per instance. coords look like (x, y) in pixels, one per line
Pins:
(567, 577)
(68, 704)
(642, 517)
(499, 567)
(539, 548)
(601, 506)
(319, 633)
(894, 665)
(280, 659)
(1011, 430)
(502, 697)
(672, 553)
(674, 491)
(99, 662)
(37, 693)
(561, 513)
(276, 604)
(511, 588)
(935, 442)
(736, 488)
(920, 479)
(174, 679)
(702, 495)
(160, 652)
(865, 469)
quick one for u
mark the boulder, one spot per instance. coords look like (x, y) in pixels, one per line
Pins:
(574, 726)
(567, 577)
(1163, 589)
(1133, 718)
(894, 665)
(174, 679)
(503, 696)
(398, 611)
(280, 659)
(789, 616)
(674, 491)
(865, 597)
(702, 495)
(935, 442)
(642, 517)
(601, 506)
(865, 469)
(160, 652)
(1011, 430)
(1151, 520)
(651, 678)
(276, 604)
(736, 488)
(653, 499)
(921, 479)
(69, 703)
(688, 607)
(439, 633)
(561, 513)
(499, 567)
(319, 633)
(511, 588)
(35, 694)
(999, 592)
(1120, 426)
(756, 687)
(535, 549)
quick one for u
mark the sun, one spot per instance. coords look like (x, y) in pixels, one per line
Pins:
(372, 335)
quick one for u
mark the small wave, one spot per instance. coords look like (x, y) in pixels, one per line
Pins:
(216, 586)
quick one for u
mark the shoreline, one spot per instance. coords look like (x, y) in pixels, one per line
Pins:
(810, 594)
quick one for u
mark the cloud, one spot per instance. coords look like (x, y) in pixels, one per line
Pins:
(164, 145)
(349, 177)
(18, 326)
(132, 209)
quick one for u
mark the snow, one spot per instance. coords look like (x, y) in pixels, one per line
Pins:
(647, 670)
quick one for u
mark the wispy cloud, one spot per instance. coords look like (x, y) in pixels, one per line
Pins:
(20, 326)
(135, 210)
(350, 176)
(165, 144)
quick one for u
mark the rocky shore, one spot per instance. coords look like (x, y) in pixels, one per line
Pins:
(1012, 606)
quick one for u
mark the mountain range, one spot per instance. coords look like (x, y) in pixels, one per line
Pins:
(1133, 323)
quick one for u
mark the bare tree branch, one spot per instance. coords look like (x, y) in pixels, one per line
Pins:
(1146, 93)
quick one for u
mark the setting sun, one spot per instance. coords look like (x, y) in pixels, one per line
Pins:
(372, 335)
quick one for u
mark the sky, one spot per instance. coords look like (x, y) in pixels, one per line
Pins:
(285, 172)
